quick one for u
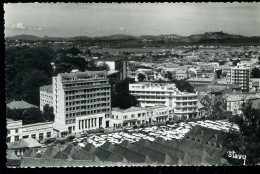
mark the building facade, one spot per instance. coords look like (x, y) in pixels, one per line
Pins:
(80, 98)
(152, 94)
(241, 76)
(39, 131)
(139, 115)
(46, 96)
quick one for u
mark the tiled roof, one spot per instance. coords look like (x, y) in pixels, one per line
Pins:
(24, 143)
(50, 152)
(20, 105)
(106, 155)
(11, 155)
(130, 155)
(30, 153)
(89, 148)
(154, 155)
(107, 145)
(80, 154)
(175, 154)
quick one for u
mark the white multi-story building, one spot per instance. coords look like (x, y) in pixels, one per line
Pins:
(152, 94)
(239, 75)
(46, 96)
(81, 101)
(39, 131)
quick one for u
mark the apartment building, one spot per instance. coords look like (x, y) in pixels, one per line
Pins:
(46, 96)
(152, 94)
(239, 75)
(81, 100)
(39, 131)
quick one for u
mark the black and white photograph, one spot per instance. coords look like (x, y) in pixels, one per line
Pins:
(132, 84)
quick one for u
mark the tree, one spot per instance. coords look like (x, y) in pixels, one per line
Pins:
(48, 113)
(93, 66)
(141, 77)
(32, 115)
(255, 73)
(28, 116)
(26, 70)
(74, 51)
(169, 75)
(120, 96)
(183, 85)
(249, 125)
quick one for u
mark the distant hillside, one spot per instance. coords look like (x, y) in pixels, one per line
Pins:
(24, 37)
(206, 38)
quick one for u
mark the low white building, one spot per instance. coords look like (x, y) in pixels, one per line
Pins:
(39, 131)
(138, 115)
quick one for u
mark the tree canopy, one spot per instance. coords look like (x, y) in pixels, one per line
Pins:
(255, 73)
(28, 116)
(141, 77)
(26, 70)
(248, 140)
(93, 66)
(183, 85)
(48, 113)
(120, 96)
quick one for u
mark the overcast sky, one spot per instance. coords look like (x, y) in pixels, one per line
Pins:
(66, 20)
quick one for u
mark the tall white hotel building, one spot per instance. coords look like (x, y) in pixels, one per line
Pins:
(81, 100)
(152, 94)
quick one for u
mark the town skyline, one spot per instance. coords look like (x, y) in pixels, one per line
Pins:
(135, 19)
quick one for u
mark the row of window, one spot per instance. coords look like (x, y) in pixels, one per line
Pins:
(86, 84)
(186, 103)
(152, 102)
(16, 138)
(150, 97)
(185, 109)
(103, 94)
(186, 98)
(87, 106)
(83, 113)
(86, 101)
(70, 121)
(47, 96)
(86, 91)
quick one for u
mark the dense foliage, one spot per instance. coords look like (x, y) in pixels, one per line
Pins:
(255, 73)
(31, 115)
(93, 66)
(26, 70)
(120, 96)
(141, 77)
(248, 140)
(47, 113)
(183, 85)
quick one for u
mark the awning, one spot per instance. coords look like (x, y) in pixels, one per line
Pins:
(127, 121)
(60, 128)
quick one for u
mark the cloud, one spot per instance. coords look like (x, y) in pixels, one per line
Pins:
(18, 26)
(121, 29)
(21, 26)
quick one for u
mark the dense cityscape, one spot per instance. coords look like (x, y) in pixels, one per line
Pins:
(133, 100)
